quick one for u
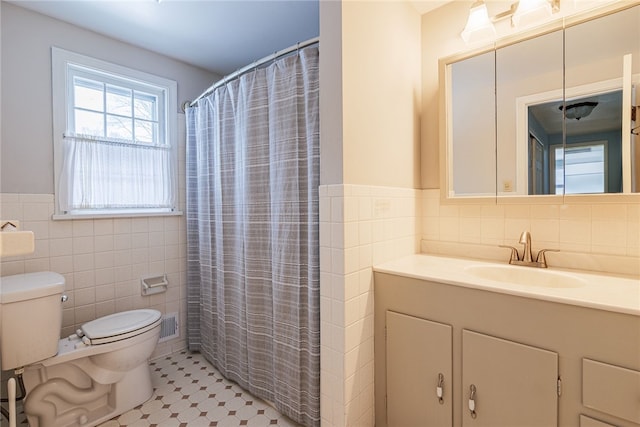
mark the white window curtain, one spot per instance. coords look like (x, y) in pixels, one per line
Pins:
(108, 174)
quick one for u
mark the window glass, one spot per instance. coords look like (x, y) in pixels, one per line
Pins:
(115, 147)
(583, 171)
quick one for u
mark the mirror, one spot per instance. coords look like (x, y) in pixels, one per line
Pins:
(472, 123)
(524, 70)
(602, 67)
(561, 119)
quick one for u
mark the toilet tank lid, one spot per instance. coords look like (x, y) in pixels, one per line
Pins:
(22, 287)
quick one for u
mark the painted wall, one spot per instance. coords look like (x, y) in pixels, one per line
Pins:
(440, 38)
(375, 82)
(27, 147)
(102, 260)
(331, 157)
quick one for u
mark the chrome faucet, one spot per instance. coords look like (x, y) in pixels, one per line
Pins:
(527, 257)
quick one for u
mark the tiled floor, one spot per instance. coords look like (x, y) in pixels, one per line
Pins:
(189, 392)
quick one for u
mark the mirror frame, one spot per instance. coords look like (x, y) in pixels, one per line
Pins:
(445, 147)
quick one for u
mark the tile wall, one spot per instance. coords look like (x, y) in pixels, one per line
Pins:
(600, 237)
(102, 261)
(360, 226)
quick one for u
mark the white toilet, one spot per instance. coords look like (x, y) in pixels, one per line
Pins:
(85, 379)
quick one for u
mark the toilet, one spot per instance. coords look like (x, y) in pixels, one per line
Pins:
(96, 374)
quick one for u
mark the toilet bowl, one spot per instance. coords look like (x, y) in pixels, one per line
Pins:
(89, 377)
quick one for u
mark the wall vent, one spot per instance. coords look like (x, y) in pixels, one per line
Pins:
(169, 327)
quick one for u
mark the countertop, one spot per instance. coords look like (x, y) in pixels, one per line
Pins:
(599, 291)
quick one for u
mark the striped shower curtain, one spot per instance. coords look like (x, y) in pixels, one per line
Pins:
(253, 170)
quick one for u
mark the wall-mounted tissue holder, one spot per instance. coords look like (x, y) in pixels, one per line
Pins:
(154, 284)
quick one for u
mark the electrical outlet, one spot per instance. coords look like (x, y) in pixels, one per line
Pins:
(507, 186)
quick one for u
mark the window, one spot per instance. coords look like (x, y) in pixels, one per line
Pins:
(580, 168)
(115, 139)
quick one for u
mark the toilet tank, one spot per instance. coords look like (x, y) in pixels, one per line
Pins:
(30, 317)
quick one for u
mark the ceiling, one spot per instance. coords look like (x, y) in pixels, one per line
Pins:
(606, 116)
(218, 35)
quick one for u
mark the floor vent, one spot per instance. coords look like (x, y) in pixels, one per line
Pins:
(169, 327)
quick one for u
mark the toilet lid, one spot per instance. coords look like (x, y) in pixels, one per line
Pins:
(119, 326)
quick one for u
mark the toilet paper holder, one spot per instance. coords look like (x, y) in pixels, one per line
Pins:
(151, 285)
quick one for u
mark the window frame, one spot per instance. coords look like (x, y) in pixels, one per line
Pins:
(63, 104)
(553, 170)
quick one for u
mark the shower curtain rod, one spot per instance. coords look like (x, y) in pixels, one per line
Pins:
(253, 65)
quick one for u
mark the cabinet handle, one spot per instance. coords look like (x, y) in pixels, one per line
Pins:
(440, 388)
(472, 401)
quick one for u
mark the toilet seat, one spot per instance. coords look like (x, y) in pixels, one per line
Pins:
(119, 326)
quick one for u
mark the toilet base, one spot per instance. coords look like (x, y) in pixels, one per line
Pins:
(65, 396)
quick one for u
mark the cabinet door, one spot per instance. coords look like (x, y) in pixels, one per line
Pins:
(515, 384)
(418, 356)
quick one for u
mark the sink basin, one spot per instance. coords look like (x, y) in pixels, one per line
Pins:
(527, 276)
(13, 243)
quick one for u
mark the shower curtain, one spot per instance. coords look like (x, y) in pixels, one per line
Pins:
(253, 171)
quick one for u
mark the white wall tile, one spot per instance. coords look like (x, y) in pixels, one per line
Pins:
(61, 264)
(84, 296)
(103, 227)
(122, 226)
(96, 258)
(35, 265)
(103, 243)
(547, 231)
(83, 262)
(606, 228)
(35, 212)
(40, 228)
(82, 227)
(83, 245)
(368, 225)
(122, 241)
(60, 247)
(140, 225)
(60, 229)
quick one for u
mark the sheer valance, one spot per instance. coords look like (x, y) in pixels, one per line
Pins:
(106, 173)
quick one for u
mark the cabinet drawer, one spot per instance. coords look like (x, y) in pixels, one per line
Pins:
(592, 422)
(611, 389)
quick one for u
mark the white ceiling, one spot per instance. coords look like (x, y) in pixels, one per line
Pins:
(218, 35)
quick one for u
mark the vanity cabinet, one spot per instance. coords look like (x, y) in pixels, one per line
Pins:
(419, 361)
(533, 362)
(507, 382)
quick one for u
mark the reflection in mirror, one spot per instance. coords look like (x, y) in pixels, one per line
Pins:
(602, 66)
(527, 73)
(471, 128)
(591, 161)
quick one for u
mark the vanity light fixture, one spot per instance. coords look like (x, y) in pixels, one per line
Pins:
(522, 13)
(533, 11)
(479, 26)
(579, 110)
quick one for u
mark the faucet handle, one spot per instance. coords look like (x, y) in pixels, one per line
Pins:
(542, 259)
(514, 253)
